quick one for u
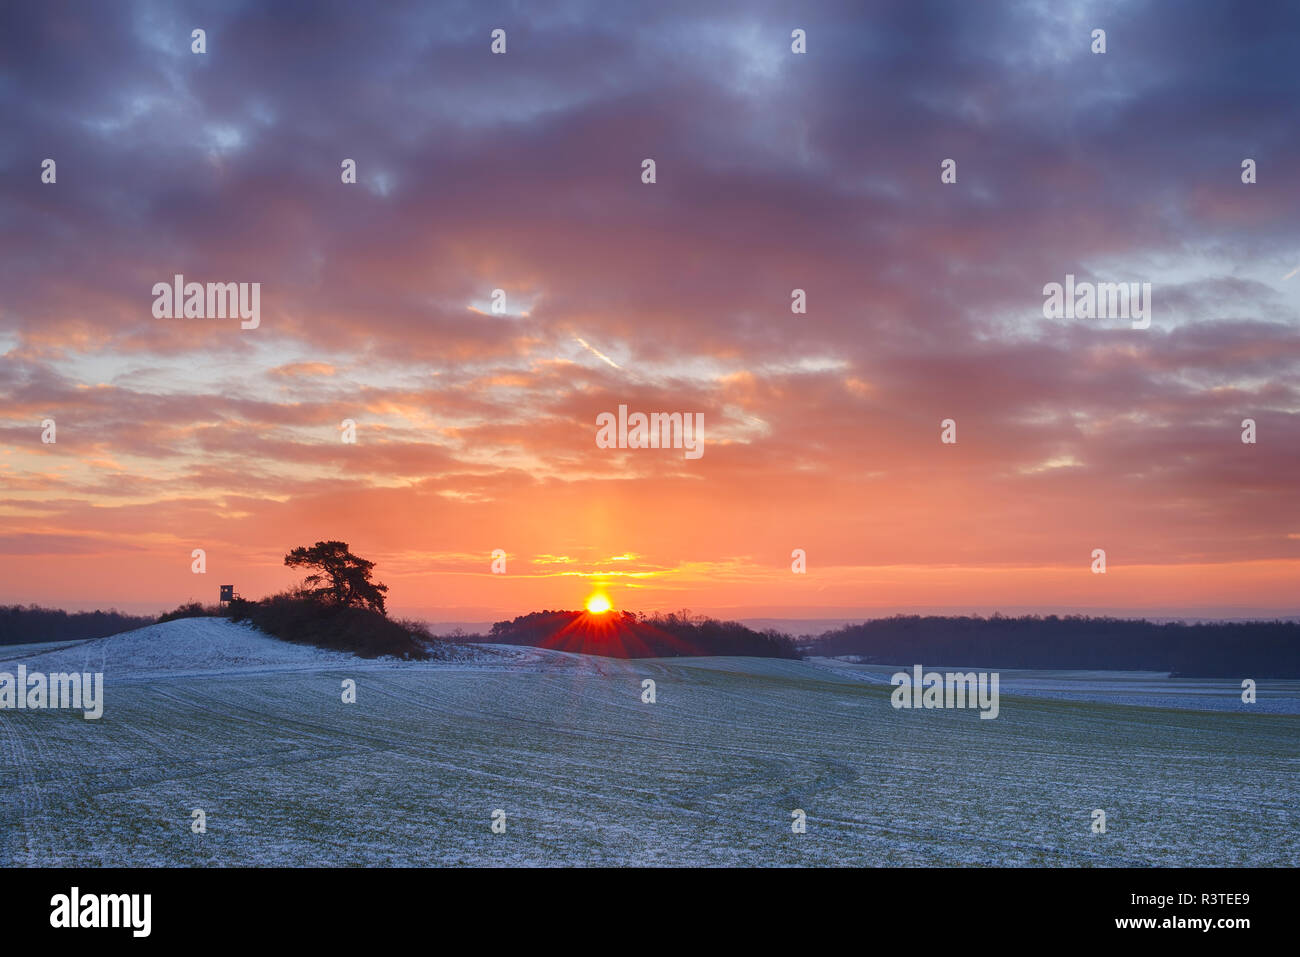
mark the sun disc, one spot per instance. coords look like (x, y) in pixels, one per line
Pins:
(598, 604)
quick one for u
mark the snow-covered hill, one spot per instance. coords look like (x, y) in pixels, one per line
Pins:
(187, 646)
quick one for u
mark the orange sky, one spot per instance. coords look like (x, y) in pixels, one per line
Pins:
(476, 429)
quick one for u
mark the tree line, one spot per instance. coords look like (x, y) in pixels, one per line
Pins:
(1255, 649)
(625, 635)
(26, 624)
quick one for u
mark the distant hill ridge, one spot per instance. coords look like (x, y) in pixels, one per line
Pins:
(1238, 649)
(1256, 649)
(625, 635)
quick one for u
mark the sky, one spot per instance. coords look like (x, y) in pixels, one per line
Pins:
(774, 170)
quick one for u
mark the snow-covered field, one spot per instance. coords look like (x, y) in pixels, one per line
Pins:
(205, 714)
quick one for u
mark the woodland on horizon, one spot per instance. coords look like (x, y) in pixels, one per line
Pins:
(1269, 649)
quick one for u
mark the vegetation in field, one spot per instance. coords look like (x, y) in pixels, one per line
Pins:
(338, 606)
(302, 618)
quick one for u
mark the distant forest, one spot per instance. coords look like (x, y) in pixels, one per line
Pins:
(625, 635)
(21, 625)
(1257, 649)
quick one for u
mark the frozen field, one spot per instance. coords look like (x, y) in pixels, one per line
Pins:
(206, 714)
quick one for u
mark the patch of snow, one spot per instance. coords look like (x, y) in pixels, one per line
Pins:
(186, 646)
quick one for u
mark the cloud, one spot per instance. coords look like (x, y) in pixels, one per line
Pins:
(775, 172)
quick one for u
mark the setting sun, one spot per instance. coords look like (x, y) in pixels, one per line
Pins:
(598, 604)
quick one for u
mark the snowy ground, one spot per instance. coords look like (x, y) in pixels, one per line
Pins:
(205, 714)
(1147, 688)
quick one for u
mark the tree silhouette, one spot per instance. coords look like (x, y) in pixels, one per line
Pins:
(344, 579)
